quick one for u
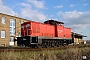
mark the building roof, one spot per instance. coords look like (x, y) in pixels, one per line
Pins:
(12, 16)
(78, 34)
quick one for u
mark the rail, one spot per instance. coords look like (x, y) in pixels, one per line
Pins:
(21, 49)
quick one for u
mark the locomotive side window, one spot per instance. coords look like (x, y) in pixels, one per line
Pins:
(22, 26)
(59, 24)
(28, 25)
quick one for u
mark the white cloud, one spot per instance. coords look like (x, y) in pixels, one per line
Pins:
(30, 13)
(79, 27)
(26, 11)
(70, 15)
(72, 5)
(53, 19)
(26, 5)
(33, 14)
(60, 6)
(85, 4)
(76, 20)
(37, 3)
(6, 9)
(84, 0)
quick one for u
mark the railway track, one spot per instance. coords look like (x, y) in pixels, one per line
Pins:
(21, 49)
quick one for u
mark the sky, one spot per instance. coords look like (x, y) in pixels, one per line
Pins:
(74, 13)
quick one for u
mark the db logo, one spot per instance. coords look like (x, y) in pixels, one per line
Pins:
(59, 31)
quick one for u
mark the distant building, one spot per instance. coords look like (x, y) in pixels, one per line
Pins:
(87, 42)
(10, 28)
(77, 38)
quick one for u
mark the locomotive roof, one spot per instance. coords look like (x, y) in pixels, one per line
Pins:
(55, 21)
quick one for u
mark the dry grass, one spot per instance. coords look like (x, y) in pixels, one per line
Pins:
(67, 54)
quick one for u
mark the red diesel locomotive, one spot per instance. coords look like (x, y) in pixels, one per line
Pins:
(51, 33)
